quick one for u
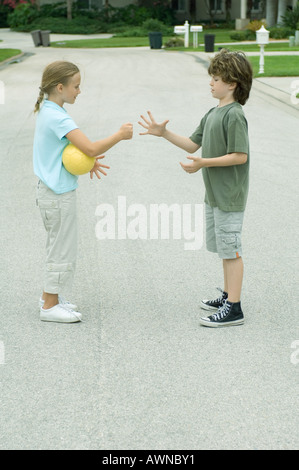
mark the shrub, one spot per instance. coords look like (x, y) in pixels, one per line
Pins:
(175, 42)
(255, 25)
(280, 32)
(153, 25)
(291, 18)
(242, 35)
(27, 17)
(22, 15)
(4, 12)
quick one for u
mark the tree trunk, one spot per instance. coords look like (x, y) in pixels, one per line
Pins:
(69, 9)
(228, 5)
(209, 8)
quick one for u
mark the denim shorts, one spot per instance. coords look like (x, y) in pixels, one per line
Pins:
(223, 232)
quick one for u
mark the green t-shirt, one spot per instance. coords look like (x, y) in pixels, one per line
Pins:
(221, 131)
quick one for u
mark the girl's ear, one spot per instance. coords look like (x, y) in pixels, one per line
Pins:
(59, 87)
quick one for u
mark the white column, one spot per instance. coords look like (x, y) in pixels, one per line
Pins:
(282, 6)
(271, 12)
(186, 34)
(243, 9)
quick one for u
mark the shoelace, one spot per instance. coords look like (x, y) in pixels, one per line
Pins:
(75, 314)
(220, 299)
(222, 312)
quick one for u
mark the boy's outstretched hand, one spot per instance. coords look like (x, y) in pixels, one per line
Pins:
(197, 164)
(152, 127)
(97, 169)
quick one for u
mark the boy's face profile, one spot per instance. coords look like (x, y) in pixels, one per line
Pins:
(221, 90)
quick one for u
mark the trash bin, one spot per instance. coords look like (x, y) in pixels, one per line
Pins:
(45, 35)
(155, 39)
(36, 36)
(209, 42)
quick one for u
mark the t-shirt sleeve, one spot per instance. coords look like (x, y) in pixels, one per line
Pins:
(63, 126)
(237, 134)
(197, 135)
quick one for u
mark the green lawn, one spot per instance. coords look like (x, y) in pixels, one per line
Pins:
(7, 53)
(273, 46)
(97, 43)
(222, 35)
(277, 66)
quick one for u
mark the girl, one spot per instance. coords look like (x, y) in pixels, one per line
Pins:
(56, 193)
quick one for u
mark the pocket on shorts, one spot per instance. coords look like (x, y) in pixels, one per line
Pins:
(230, 235)
(50, 212)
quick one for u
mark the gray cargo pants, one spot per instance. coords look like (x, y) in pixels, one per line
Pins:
(59, 215)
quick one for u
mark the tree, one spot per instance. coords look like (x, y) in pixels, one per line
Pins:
(210, 10)
(69, 5)
(228, 5)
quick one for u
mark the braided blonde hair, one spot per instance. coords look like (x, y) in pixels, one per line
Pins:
(57, 72)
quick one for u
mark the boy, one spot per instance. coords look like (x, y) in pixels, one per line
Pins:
(223, 136)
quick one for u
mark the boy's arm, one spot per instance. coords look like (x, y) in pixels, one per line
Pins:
(197, 163)
(159, 130)
(93, 149)
(230, 159)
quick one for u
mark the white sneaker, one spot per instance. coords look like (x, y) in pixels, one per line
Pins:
(65, 303)
(60, 314)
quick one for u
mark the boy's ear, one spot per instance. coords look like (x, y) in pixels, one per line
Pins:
(233, 85)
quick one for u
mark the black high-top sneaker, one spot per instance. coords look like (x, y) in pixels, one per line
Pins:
(214, 305)
(230, 314)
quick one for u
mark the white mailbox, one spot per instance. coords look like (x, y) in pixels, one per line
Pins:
(262, 39)
(179, 29)
(195, 30)
(262, 36)
(183, 30)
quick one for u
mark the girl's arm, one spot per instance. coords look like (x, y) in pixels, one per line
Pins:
(159, 130)
(93, 149)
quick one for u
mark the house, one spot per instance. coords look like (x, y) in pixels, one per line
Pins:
(196, 11)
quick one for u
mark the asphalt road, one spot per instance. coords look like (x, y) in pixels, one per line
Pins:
(140, 372)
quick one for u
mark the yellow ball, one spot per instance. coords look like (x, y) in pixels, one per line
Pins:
(77, 162)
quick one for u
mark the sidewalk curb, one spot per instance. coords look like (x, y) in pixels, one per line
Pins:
(15, 59)
(278, 95)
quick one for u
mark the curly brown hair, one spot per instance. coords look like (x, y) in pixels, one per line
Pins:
(233, 67)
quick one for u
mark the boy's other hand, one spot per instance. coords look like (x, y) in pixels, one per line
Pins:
(127, 131)
(197, 164)
(152, 127)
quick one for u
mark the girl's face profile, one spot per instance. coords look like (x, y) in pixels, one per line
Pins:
(72, 89)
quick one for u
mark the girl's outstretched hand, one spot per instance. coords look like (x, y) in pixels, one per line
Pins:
(151, 126)
(97, 169)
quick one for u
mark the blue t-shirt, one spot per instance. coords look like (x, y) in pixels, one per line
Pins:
(52, 124)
